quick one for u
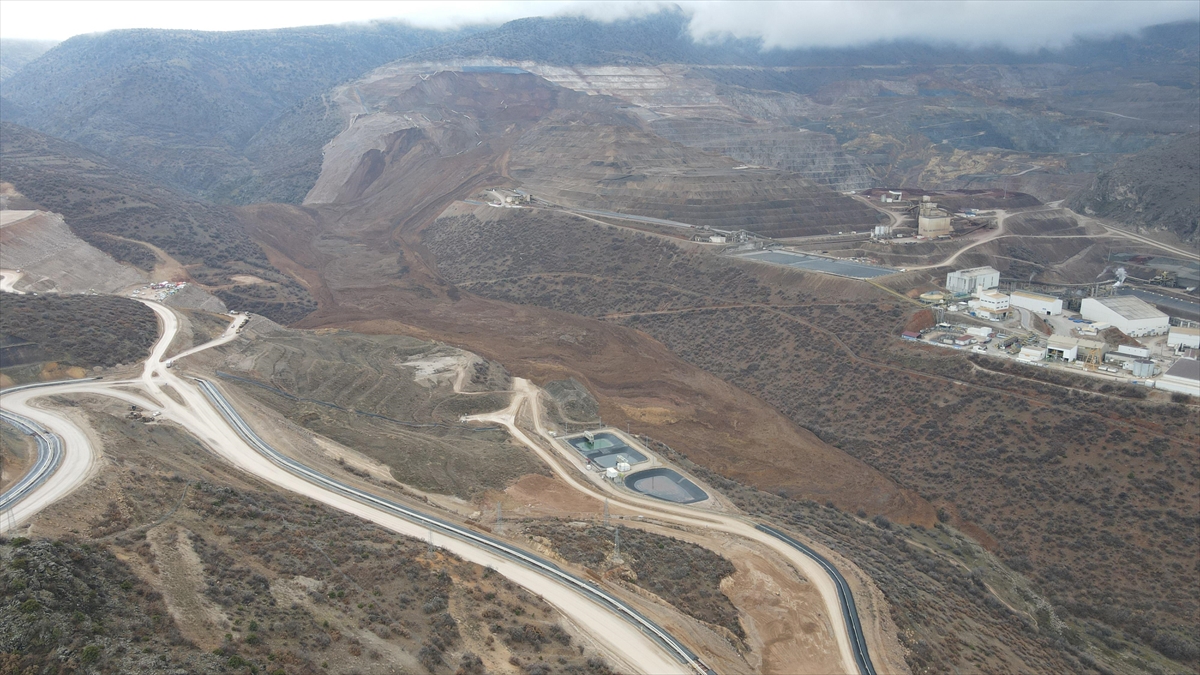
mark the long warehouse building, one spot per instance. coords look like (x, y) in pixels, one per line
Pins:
(1037, 303)
(1134, 316)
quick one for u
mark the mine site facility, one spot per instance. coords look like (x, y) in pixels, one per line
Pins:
(568, 346)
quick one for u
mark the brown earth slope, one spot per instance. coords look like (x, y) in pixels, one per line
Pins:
(569, 148)
(1067, 479)
(115, 209)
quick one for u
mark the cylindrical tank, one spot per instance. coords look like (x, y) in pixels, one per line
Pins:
(623, 467)
(933, 297)
(1143, 368)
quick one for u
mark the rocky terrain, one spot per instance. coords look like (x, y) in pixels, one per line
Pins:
(395, 399)
(116, 94)
(1012, 520)
(136, 220)
(1154, 189)
(52, 258)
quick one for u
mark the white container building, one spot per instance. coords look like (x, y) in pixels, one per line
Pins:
(1139, 352)
(1032, 354)
(1183, 336)
(1132, 315)
(972, 280)
(1037, 303)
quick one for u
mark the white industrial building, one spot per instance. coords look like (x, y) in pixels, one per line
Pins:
(990, 305)
(1032, 354)
(1183, 377)
(1063, 347)
(972, 280)
(1136, 352)
(1183, 336)
(1133, 316)
(1036, 302)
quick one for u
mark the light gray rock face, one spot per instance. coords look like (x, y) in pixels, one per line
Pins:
(52, 258)
(1157, 189)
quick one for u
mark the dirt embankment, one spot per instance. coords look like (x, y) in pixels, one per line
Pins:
(714, 423)
(53, 258)
(226, 574)
(367, 264)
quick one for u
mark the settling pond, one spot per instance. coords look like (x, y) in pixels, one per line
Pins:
(665, 484)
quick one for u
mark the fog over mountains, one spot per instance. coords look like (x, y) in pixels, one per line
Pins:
(456, 249)
(241, 116)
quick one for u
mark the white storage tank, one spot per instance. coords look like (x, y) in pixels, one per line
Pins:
(1143, 368)
(623, 467)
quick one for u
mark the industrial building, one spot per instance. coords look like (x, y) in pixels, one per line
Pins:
(1062, 348)
(1133, 316)
(1036, 302)
(990, 305)
(972, 280)
(1032, 354)
(1181, 336)
(932, 221)
(1183, 377)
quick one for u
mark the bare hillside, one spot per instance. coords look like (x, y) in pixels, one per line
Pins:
(51, 257)
(1156, 189)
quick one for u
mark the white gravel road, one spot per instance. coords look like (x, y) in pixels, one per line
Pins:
(628, 648)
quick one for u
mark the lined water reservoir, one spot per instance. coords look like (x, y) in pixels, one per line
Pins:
(665, 484)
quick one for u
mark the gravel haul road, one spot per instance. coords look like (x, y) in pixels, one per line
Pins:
(845, 622)
(626, 637)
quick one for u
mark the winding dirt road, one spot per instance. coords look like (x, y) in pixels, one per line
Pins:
(628, 648)
(8, 278)
(526, 394)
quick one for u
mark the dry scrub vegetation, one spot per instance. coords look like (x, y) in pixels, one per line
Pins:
(81, 331)
(1091, 495)
(266, 582)
(358, 391)
(684, 574)
(98, 199)
(70, 606)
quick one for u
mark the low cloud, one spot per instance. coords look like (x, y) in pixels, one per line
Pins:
(1017, 24)
(1022, 25)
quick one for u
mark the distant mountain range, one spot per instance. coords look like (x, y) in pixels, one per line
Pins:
(664, 38)
(242, 117)
(14, 54)
(185, 105)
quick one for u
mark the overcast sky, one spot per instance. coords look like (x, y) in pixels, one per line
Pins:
(1018, 24)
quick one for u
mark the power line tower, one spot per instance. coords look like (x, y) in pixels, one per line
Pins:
(617, 546)
(606, 510)
(499, 518)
